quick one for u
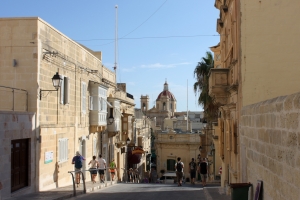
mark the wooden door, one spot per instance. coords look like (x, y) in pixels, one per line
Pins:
(19, 164)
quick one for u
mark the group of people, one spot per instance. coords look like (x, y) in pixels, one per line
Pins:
(202, 168)
(96, 166)
(134, 175)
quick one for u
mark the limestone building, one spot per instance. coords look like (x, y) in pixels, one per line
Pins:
(165, 106)
(173, 136)
(258, 119)
(225, 86)
(88, 112)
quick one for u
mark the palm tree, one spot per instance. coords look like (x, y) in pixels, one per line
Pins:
(201, 73)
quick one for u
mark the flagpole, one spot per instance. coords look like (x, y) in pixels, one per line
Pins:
(187, 105)
(116, 42)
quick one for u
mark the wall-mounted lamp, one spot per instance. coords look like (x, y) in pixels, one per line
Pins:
(110, 120)
(127, 141)
(14, 62)
(204, 123)
(200, 148)
(56, 80)
(39, 139)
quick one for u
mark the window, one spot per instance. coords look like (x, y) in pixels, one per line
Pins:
(164, 106)
(64, 90)
(63, 150)
(83, 97)
(91, 107)
(171, 165)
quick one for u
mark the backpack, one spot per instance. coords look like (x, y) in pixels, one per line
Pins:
(78, 162)
(179, 167)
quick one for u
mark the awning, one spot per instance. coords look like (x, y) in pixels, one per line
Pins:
(138, 150)
(133, 158)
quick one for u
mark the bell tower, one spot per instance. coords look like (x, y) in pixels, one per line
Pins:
(144, 103)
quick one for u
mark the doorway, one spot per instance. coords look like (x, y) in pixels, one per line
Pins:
(19, 164)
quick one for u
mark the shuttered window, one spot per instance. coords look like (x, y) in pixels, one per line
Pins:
(83, 97)
(64, 90)
(63, 150)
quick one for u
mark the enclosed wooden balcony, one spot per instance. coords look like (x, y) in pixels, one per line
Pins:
(218, 84)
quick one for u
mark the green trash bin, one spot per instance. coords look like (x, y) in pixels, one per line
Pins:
(239, 191)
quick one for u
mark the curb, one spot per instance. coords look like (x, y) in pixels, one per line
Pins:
(88, 190)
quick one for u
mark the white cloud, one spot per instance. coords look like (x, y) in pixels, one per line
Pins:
(160, 66)
(128, 69)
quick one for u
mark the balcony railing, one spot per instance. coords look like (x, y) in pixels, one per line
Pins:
(13, 99)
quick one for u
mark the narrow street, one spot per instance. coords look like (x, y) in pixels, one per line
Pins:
(149, 191)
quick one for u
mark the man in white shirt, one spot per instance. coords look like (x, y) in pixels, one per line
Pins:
(102, 167)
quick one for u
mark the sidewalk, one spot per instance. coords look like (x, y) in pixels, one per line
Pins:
(63, 192)
(215, 193)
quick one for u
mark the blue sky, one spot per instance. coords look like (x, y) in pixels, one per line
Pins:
(158, 40)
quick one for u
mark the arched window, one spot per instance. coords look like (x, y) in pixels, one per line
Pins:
(164, 106)
(144, 106)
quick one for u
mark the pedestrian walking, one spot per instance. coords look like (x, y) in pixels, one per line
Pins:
(77, 161)
(130, 174)
(192, 170)
(136, 174)
(93, 169)
(203, 170)
(101, 168)
(179, 171)
(112, 167)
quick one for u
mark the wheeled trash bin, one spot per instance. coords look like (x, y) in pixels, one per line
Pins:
(239, 191)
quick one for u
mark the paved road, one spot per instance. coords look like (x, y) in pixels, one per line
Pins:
(145, 191)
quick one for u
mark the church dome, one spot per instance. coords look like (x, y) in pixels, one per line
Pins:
(166, 93)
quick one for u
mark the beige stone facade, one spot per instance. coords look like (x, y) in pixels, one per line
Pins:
(169, 146)
(270, 151)
(225, 86)
(73, 118)
(257, 133)
(17, 126)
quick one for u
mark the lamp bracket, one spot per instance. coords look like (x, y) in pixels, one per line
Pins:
(45, 91)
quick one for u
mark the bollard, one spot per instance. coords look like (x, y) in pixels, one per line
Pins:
(1, 190)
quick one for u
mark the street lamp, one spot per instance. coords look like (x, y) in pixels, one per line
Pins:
(110, 120)
(56, 80)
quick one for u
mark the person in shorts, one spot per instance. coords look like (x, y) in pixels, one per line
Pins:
(93, 169)
(77, 161)
(179, 171)
(203, 169)
(192, 170)
(101, 167)
(113, 169)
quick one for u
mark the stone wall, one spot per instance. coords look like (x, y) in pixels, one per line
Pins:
(14, 126)
(270, 149)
